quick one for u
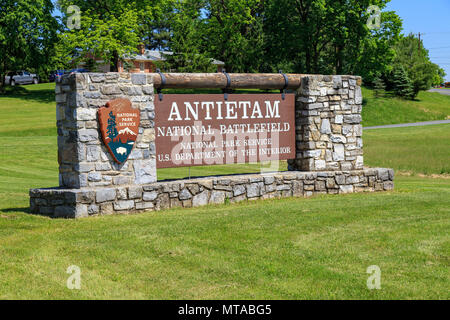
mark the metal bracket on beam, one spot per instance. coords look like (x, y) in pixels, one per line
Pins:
(227, 88)
(163, 83)
(286, 84)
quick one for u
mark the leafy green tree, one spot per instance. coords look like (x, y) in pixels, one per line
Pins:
(414, 59)
(232, 32)
(376, 54)
(439, 77)
(185, 42)
(328, 36)
(110, 29)
(102, 35)
(349, 35)
(27, 36)
(295, 35)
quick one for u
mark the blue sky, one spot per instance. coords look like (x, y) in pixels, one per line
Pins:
(430, 18)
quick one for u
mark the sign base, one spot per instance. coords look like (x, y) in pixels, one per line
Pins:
(84, 202)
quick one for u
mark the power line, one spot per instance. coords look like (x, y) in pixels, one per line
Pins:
(437, 32)
(438, 48)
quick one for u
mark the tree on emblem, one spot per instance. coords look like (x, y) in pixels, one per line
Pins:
(111, 129)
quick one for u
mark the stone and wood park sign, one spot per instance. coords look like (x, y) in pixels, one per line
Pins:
(114, 132)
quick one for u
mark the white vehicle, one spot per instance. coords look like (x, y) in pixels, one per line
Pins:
(21, 77)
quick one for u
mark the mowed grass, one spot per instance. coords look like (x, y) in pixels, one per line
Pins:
(316, 248)
(413, 149)
(428, 106)
(28, 111)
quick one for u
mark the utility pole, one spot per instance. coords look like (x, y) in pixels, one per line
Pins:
(419, 43)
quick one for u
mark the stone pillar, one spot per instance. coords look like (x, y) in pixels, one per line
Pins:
(328, 124)
(83, 159)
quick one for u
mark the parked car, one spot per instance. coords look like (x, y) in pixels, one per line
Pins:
(21, 77)
(78, 70)
(56, 75)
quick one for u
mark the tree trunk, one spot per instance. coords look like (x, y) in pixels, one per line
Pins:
(2, 82)
(338, 59)
(114, 65)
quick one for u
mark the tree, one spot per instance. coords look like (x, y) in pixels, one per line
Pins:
(329, 36)
(401, 83)
(111, 129)
(27, 36)
(232, 32)
(439, 77)
(110, 29)
(185, 43)
(106, 36)
(414, 59)
(295, 35)
(379, 86)
(376, 54)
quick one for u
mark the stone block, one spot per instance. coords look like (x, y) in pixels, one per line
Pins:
(103, 195)
(145, 171)
(217, 197)
(345, 189)
(185, 194)
(253, 190)
(201, 199)
(144, 205)
(339, 152)
(123, 205)
(325, 127)
(150, 196)
(93, 209)
(239, 190)
(94, 176)
(134, 192)
(110, 90)
(88, 135)
(138, 78)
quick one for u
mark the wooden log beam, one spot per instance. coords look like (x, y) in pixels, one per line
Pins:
(219, 80)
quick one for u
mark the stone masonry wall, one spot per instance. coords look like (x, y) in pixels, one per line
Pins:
(83, 159)
(76, 203)
(328, 124)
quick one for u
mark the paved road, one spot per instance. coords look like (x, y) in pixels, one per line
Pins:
(416, 124)
(441, 91)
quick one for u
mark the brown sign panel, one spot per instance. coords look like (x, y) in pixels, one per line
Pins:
(206, 129)
(119, 125)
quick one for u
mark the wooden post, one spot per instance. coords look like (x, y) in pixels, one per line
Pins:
(219, 80)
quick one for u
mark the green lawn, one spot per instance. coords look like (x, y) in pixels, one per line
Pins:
(413, 149)
(316, 248)
(427, 106)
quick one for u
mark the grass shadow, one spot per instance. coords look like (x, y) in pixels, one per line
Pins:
(21, 92)
(22, 209)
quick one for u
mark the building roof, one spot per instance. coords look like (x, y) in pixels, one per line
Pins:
(156, 55)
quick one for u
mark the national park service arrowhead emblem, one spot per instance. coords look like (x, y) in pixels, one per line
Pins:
(119, 125)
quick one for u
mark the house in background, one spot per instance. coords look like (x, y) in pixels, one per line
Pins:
(144, 61)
